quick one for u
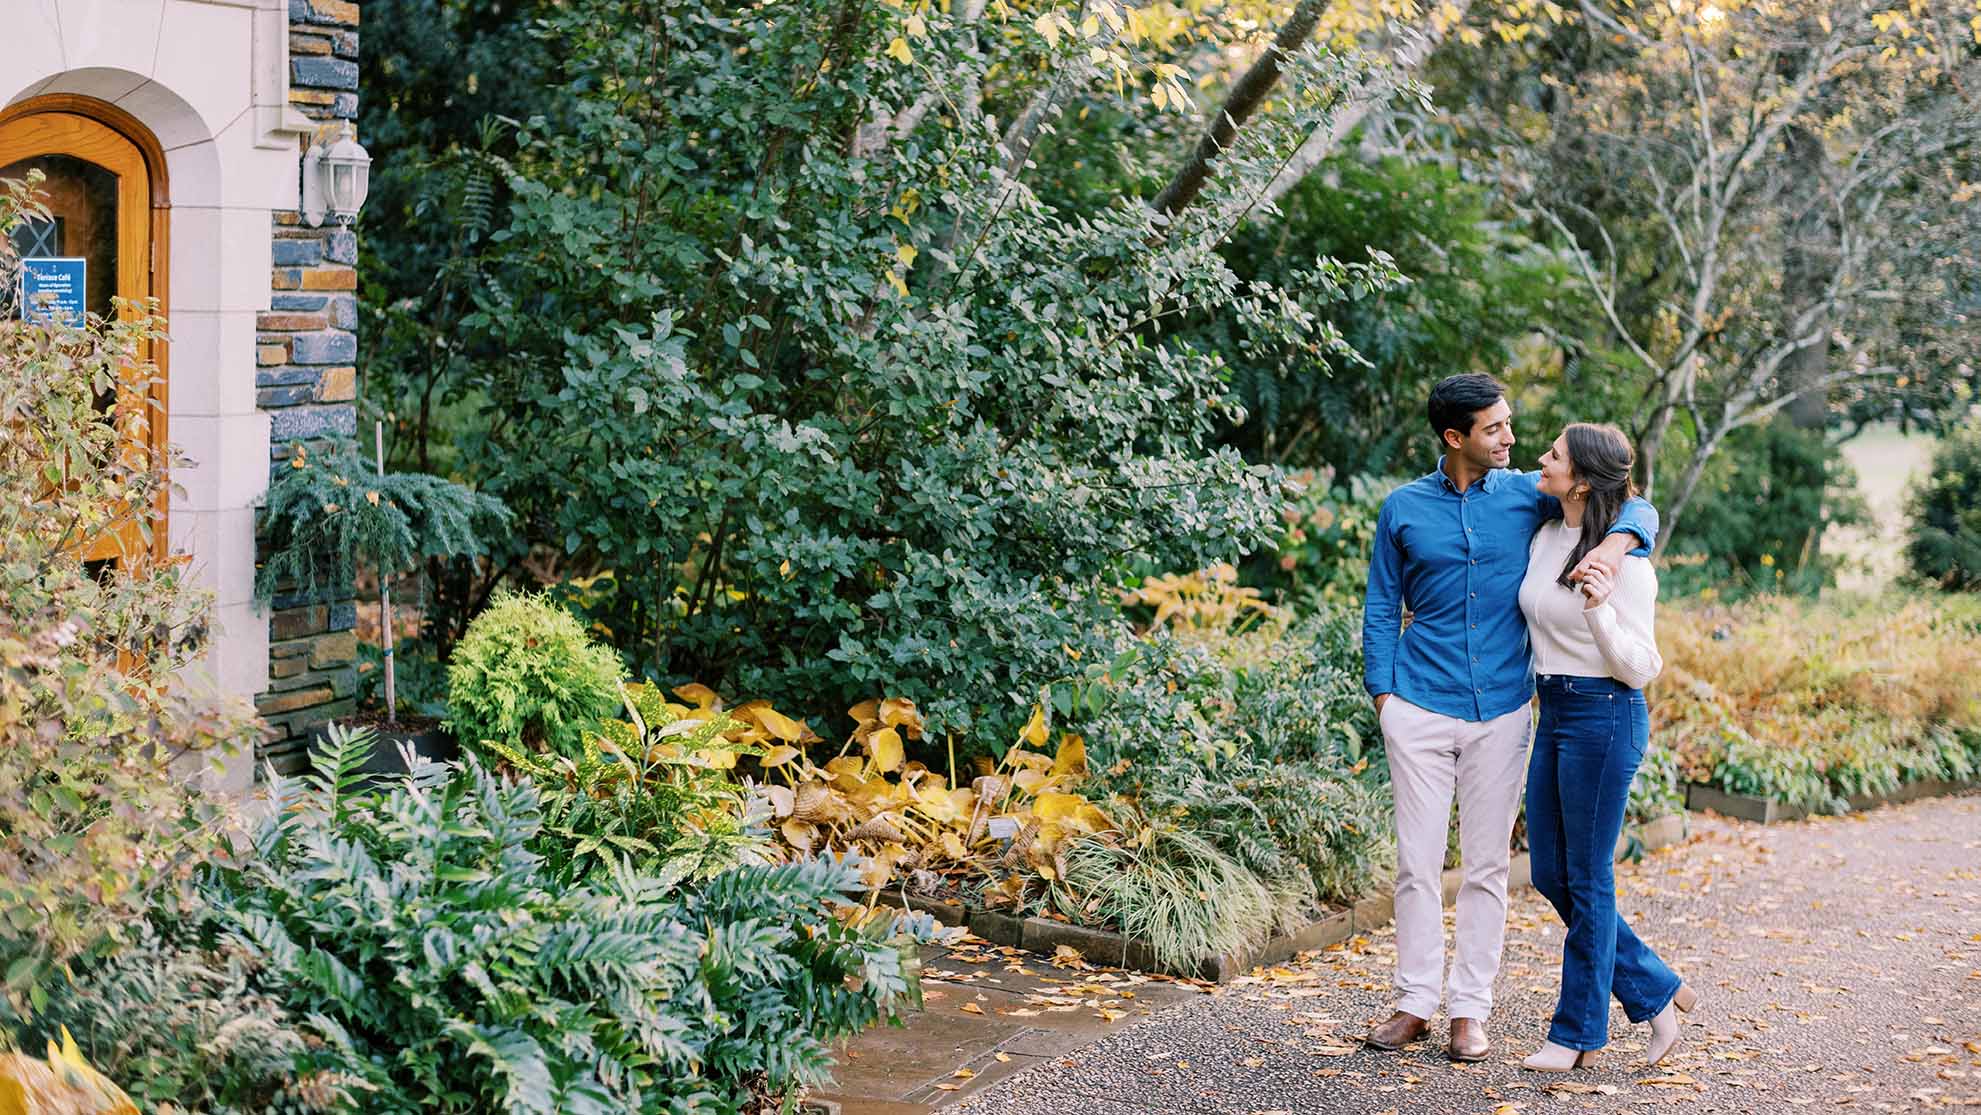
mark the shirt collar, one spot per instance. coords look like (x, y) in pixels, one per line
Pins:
(1491, 481)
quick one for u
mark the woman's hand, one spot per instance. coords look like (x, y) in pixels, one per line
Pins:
(1597, 584)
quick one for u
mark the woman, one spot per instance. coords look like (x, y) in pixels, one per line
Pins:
(1593, 651)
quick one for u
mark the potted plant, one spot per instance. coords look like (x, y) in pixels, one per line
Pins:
(328, 511)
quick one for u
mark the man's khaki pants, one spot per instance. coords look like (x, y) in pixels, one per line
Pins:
(1485, 762)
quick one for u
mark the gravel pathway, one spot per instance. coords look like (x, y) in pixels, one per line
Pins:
(1838, 959)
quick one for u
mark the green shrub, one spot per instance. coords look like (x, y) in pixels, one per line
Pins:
(1319, 559)
(1811, 703)
(192, 1029)
(96, 828)
(331, 510)
(1275, 691)
(841, 421)
(1754, 523)
(1244, 748)
(526, 674)
(637, 792)
(1659, 790)
(414, 924)
(1943, 547)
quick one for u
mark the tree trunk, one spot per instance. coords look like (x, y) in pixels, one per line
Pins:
(1809, 260)
(1239, 104)
(1687, 484)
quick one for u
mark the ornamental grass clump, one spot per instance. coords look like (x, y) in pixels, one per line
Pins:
(526, 674)
(1171, 888)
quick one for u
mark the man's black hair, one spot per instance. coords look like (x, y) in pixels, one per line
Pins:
(1456, 399)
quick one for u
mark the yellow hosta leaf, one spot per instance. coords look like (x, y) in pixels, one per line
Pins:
(900, 712)
(1033, 781)
(798, 834)
(780, 755)
(714, 759)
(906, 253)
(1035, 728)
(885, 747)
(1071, 761)
(952, 845)
(1056, 806)
(778, 724)
(898, 50)
(1030, 760)
(702, 695)
(847, 772)
(866, 712)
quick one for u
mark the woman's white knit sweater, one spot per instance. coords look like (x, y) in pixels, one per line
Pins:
(1615, 639)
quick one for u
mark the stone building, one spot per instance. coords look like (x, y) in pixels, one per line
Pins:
(173, 136)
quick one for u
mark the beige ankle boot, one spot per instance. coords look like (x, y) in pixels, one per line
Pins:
(1664, 1026)
(1559, 1058)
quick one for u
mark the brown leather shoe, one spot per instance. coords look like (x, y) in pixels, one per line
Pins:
(1469, 1041)
(1397, 1031)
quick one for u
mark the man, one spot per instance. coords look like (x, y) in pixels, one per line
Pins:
(1452, 694)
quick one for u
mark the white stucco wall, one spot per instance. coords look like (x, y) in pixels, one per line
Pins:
(209, 78)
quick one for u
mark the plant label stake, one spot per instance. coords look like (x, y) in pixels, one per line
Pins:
(385, 596)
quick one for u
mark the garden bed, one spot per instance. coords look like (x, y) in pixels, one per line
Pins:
(1100, 946)
(1701, 798)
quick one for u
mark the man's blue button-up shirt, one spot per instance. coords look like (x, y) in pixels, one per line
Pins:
(1455, 560)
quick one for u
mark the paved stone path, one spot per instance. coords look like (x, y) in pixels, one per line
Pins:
(1839, 961)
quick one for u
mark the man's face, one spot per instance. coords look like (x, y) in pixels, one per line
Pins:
(1490, 444)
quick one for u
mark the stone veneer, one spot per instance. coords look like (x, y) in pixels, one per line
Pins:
(306, 350)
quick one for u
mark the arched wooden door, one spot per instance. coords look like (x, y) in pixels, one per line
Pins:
(103, 186)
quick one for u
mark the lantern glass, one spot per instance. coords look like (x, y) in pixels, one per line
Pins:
(342, 189)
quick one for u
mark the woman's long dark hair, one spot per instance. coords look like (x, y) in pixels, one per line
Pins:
(1599, 456)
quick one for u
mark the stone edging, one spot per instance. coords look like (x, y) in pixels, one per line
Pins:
(1043, 935)
(1701, 798)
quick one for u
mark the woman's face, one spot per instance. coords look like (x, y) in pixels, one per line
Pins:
(1557, 475)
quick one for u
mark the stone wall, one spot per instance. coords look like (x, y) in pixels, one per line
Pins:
(306, 350)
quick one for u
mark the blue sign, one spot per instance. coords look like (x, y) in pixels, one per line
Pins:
(52, 289)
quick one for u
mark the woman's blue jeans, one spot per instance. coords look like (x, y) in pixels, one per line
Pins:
(1588, 744)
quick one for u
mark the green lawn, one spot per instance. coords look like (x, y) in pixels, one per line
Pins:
(1887, 462)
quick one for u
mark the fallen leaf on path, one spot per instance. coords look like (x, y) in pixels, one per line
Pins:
(972, 1008)
(1675, 1080)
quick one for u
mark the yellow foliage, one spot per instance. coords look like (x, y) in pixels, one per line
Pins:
(64, 1084)
(1210, 600)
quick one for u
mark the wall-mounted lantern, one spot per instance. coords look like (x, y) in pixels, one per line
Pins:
(335, 179)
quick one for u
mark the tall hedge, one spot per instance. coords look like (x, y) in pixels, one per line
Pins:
(819, 411)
